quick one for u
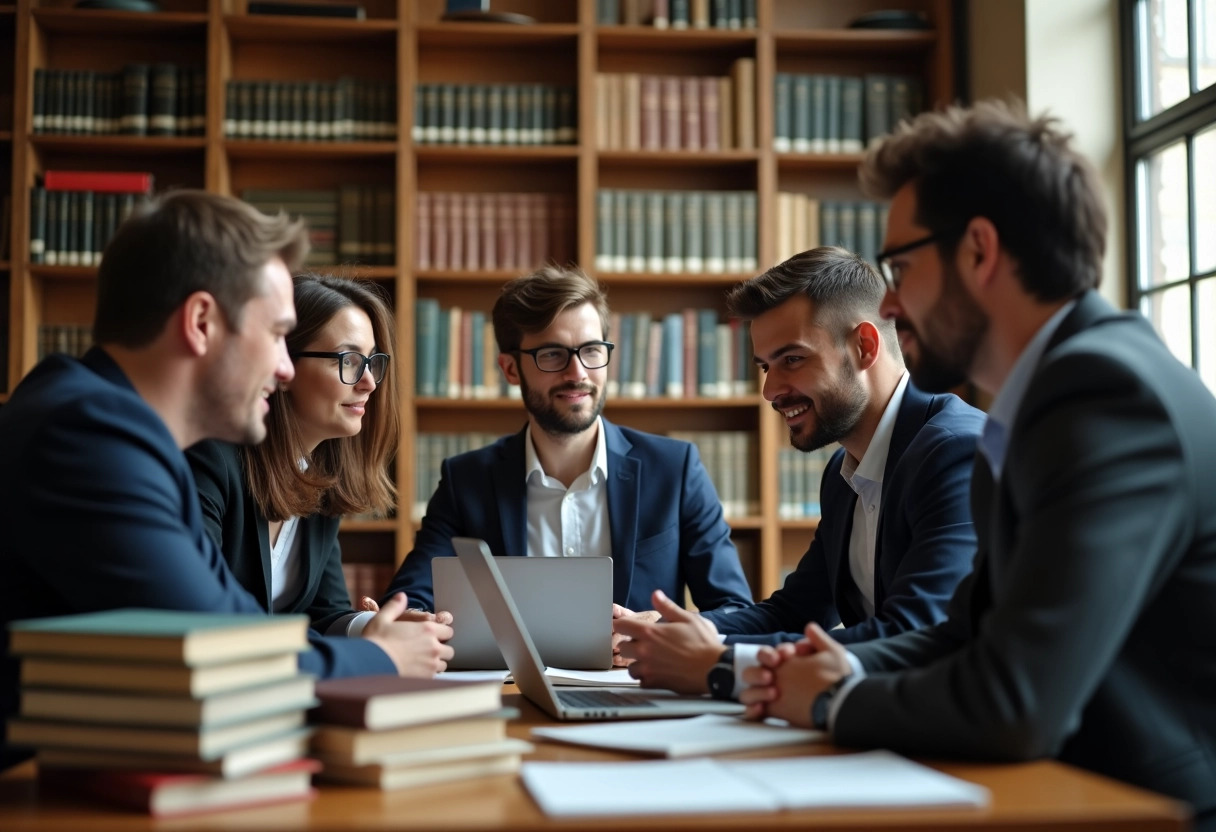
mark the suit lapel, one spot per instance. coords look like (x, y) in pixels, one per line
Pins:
(511, 495)
(624, 498)
(264, 558)
(838, 503)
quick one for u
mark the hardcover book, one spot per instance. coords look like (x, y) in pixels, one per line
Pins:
(392, 701)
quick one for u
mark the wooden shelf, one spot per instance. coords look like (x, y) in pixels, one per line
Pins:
(356, 271)
(63, 272)
(681, 158)
(263, 149)
(493, 153)
(746, 522)
(366, 526)
(800, 525)
(853, 41)
(819, 161)
(328, 30)
(105, 22)
(120, 145)
(672, 278)
(613, 403)
(494, 277)
(497, 35)
(684, 40)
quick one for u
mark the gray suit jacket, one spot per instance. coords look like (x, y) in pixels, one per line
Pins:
(1087, 630)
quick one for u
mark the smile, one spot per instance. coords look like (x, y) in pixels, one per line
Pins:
(796, 411)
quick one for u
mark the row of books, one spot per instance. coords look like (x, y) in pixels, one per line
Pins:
(678, 14)
(729, 457)
(166, 711)
(342, 110)
(154, 100)
(677, 232)
(70, 339)
(493, 230)
(366, 579)
(804, 223)
(799, 475)
(350, 224)
(840, 114)
(71, 228)
(494, 114)
(455, 355)
(672, 112)
(430, 450)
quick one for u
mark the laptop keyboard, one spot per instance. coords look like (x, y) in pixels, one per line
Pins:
(603, 699)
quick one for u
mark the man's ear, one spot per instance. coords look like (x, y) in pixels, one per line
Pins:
(510, 367)
(865, 345)
(201, 322)
(979, 249)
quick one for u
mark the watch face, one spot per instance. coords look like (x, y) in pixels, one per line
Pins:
(721, 681)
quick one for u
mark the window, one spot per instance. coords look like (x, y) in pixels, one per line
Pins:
(1169, 50)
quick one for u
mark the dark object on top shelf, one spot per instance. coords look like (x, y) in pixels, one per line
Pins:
(478, 11)
(346, 10)
(120, 5)
(891, 19)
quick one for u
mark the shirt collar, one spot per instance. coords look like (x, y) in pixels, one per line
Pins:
(599, 460)
(874, 461)
(994, 440)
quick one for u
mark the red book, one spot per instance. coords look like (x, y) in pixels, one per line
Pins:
(104, 182)
(650, 117)
(690, 109)
(164, 794)
(669, 107)
(710, 114)
(422, 243)
(505, 222)
(489, 232)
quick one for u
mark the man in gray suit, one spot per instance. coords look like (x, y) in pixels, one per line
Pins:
(1087, 629)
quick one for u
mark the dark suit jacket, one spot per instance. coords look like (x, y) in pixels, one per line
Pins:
(924, 545)
(100, 512)
(232, 520)
(1087, 630)
(666, 521)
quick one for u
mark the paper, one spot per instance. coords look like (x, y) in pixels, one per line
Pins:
(708, 734)
(615, 678)
(475, 675)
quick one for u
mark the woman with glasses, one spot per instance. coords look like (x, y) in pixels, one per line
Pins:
(273, 508)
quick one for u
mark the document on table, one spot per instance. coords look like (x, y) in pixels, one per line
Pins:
(616, 678)
(695, 737)
(870, 780)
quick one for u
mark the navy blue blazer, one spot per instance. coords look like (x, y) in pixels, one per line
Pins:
(665, 519)
(100, 512)
(925, 541)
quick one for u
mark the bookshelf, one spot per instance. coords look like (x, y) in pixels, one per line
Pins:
(404, 43)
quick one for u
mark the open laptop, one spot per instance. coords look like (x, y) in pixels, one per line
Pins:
(529, 672)
(566, 605)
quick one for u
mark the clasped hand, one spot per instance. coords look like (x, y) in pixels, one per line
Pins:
(791, 675)
(414, 640)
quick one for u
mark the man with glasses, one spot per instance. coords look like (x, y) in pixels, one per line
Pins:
(571, 483)
(1087, 628)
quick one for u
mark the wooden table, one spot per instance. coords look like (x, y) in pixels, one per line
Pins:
(1041, 796)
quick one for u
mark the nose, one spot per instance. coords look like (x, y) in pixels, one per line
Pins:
(771, 388)
(366, 382)
(889, 307)
(575, 369)
(284, 371)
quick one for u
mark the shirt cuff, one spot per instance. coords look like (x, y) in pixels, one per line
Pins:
(354, 626)
(856, 676)
(745, 657)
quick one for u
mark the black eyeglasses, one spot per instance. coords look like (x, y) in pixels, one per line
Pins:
(352, 364)
(892, 274)
(554, 358)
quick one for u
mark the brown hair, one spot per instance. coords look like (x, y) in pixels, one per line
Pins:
(992, 160)
(531, 303)
(843, 287)
(346, 475)
(185, 242)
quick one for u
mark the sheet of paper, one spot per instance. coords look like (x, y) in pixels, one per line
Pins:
(615, 678)
(643, 788)
(701, 735)
(872, 779)
(476, 675)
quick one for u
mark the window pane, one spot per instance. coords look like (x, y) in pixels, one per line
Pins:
(1164, 233)
(1170, 313)
(1206, 23)
(1205, 293)
(1161, 45)
(1205, 200)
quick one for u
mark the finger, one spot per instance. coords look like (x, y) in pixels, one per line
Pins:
(631, 627)
(446, 652)
(669, 609)
(757, 693)
(785, 650)
(768, 657)
(755, 712)
(757, 676)
(369, 605)
(621, 661)
(442, 632)
(444, 617)
(620, 612)
(819, 639)
(393, 607)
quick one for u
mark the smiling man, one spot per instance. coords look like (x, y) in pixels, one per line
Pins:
(571, 483)
(896, 535)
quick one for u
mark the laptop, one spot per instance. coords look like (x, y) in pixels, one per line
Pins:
(567, 604)
(568, 704)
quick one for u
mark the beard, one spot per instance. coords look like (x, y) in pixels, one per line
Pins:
(553, 421)
(948, 340)
(837, 411)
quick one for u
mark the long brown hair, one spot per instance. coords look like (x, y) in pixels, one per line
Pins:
(346, 475)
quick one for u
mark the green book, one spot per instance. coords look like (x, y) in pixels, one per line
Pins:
(171, 636)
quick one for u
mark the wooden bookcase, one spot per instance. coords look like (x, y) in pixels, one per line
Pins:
(404, 41)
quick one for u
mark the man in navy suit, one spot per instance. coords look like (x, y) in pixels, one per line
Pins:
(895, 536)
(97, 501)
(571, 483)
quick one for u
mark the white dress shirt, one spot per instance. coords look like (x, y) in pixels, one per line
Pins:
(568, 522)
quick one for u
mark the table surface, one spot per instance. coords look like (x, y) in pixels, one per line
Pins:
(1043, 795)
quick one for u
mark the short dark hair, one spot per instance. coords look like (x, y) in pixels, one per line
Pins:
(184, 242)
(992, 160)
(531, 303)
(841, 285)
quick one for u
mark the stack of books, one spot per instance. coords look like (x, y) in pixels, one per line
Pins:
(165, 711)
(395, 733)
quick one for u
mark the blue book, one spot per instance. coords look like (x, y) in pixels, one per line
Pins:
(477, 347)
(673, 355)
(707, 352)
(426, 346)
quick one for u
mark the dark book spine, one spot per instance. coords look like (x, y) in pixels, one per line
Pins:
(54, 202)
(135, 99)
(37, 224)
(162, 103)
(38, 121)
(85, 231)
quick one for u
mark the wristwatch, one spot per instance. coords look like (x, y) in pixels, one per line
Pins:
(819, 708)
(721, 678)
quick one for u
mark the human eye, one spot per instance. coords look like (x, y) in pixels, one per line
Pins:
(592, 350)
(351, 359)
(551, 354)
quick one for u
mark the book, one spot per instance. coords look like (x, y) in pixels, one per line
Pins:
(437, 766)
(190, 638)
(164, 794)
(108, 182)
(135, 709)
(346, 10)
(235, 763)
(38, 671)
(360, 746)
(391, 701)
(696, 737)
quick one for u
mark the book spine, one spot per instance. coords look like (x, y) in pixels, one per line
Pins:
(162, 109)
(673, 232)
(104, 181)
(781, 113)
(135, 79)
(655, 261)
(37, 225)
